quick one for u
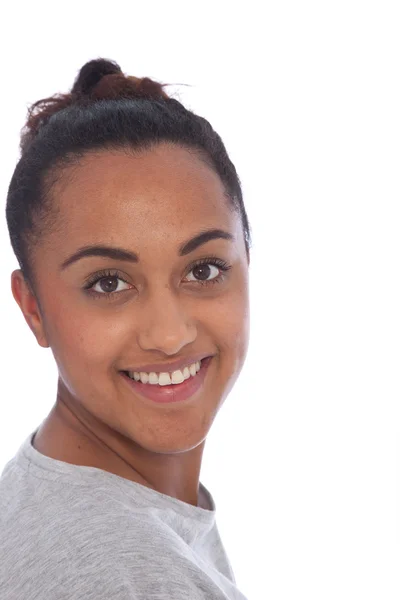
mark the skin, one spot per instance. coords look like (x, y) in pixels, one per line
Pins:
(150, 203)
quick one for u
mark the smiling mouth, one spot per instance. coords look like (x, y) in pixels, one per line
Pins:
(187, 390)
(168, 379)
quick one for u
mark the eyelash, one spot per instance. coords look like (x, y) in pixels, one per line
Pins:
(211, 260)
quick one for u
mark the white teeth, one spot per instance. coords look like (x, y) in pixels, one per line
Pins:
(193, 370)
(164, 379)
(144, 378)
(153, 378)
(176, 377)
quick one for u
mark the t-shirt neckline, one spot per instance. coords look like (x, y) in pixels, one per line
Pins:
(46, 467)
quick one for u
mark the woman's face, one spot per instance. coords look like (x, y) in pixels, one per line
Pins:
(160, 308)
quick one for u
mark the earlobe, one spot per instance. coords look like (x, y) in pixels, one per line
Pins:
(28, 304)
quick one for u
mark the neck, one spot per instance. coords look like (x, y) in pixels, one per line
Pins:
(71, 435)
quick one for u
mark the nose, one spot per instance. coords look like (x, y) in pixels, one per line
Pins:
(164, 324)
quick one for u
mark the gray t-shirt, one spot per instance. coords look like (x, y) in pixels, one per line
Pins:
(70, 532)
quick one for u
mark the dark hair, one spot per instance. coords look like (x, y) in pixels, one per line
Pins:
(105, 109)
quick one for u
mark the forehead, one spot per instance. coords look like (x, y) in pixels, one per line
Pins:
(164, 193)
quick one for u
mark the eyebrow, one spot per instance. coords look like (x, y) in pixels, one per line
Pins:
(127, 255)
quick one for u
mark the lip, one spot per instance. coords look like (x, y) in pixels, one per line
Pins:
(169, 367)
(187, 390)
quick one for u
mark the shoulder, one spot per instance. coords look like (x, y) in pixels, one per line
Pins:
(95, 550)
(86, 542)
(103, 562)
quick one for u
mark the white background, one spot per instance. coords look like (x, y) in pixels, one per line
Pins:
(303, 459)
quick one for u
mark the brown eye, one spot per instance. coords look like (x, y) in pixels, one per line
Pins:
(204, 272)
(106, 284)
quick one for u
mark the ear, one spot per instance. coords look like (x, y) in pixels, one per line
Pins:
(29, 306)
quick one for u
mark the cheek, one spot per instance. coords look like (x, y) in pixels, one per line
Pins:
(228, 330)
(83, 339)
(229, 325)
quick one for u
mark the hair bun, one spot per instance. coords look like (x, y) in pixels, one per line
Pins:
(92, 72)
(103, 79)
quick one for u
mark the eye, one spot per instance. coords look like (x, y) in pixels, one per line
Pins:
(204, 272)
(107, 283)
(208, 270)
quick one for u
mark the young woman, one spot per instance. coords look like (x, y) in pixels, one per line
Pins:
(126, 216)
